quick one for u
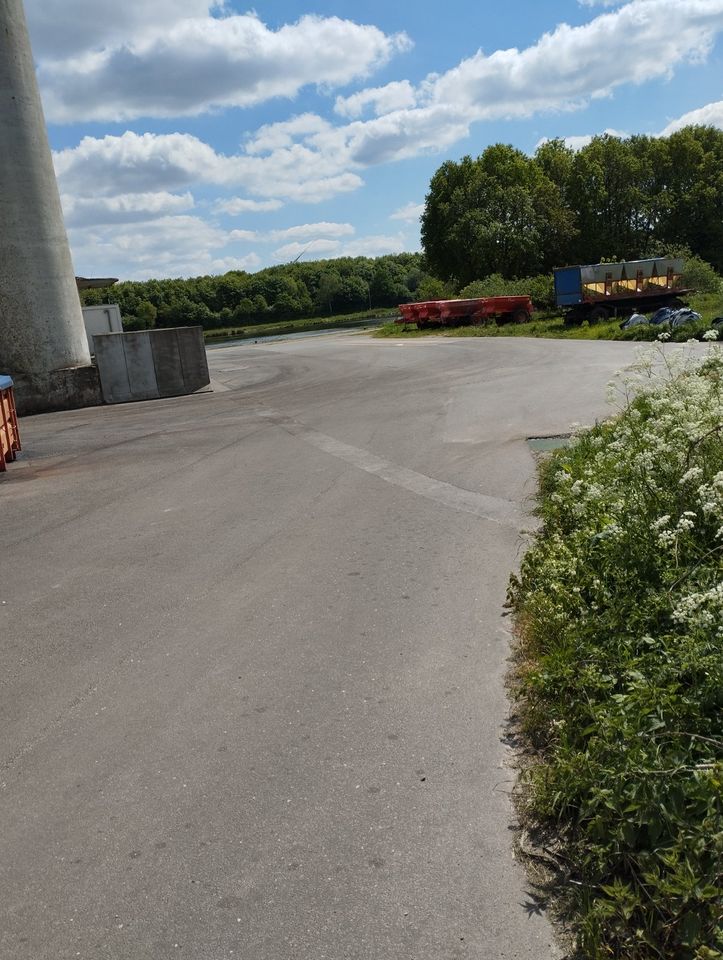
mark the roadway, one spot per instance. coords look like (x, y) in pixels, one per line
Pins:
(253, 655)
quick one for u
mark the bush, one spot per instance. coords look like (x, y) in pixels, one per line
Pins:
(700, 276)
(619, 608)
(540, 288)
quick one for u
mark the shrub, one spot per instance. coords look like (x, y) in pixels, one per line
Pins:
(619, 607)
(700, 276)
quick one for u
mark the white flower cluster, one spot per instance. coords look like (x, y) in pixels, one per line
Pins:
(703, 609)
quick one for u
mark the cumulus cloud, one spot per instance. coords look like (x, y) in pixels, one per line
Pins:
(306, 230)
(369, 246)
(410, 212)
(376, 245)
(60, 29)
(125, 208)
(236, 205)
(316, 248)
(393, 96)
(578, 141)
(194, 64)
(141, 163)
(178, 246)
(564, 70)
(709, 115)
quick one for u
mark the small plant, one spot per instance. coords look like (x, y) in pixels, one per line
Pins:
(619, 608)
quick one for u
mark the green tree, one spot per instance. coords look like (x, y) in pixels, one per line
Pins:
(147, 313)
(499, 213)
(329, 287)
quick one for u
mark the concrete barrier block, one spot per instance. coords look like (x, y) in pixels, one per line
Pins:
(140, 366)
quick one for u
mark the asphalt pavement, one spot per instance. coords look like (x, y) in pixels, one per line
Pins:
(252, 656)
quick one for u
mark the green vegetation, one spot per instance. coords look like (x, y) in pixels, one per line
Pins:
(493, 225)
(619, 611)
(615, 199)
(551, 325)
(278, 296)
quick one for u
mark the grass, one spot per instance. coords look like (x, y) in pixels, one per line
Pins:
(551, 325)
(280, 327)
(619, 679)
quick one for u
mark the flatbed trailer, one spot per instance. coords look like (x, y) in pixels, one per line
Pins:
(599, 291)
(440, 313)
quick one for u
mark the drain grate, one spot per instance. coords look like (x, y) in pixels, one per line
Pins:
(544, 444)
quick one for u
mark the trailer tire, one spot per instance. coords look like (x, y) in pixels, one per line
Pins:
(599, 315)
(520, 316)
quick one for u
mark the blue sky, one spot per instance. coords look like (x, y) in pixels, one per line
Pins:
(193, 138)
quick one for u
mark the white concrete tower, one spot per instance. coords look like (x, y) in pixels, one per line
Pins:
(41, 323)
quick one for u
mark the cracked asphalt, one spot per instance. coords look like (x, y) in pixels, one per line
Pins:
(253, 654)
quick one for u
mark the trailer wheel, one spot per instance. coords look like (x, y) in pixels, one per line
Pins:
(599, 315)
(520, 316)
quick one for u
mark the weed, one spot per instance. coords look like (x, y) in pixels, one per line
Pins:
(619, 608)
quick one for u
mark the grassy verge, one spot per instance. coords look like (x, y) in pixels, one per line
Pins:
(619, 611)
(281, 327)
(551, 325)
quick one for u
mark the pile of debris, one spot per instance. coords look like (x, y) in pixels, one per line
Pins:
(670, 318)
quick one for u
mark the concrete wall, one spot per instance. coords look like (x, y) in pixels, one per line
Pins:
(104, 318)
(149, 364)
(41, 325)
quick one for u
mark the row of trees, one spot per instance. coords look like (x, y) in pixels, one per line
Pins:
(615, 199)
(323, 287)
(490, 225)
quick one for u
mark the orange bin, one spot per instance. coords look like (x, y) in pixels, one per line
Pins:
(9, 434)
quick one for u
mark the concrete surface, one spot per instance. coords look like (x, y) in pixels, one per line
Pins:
(253, 655)
(41, 324)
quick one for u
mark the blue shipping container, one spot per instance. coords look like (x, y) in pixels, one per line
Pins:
(568, 286)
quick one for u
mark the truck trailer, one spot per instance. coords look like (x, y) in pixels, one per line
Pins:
(598, 291)
(438, 313)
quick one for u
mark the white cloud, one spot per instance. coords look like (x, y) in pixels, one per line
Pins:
(562, 71)
(283, 135)
(393, 96)
(375, 246)
(370, 246)
(410, 212)
(709, 115)
(569, 65)
(190, 65)
(178, 246)
(125, 208)
(250, 262)
(307, 230)
(578, 141)
(62, 28)
(243, 235)
(140, 163)
(317, 249)
(236, 205)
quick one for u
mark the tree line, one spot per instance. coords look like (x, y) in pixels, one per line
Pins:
(491, 225)
(516, 215)
(283, 292)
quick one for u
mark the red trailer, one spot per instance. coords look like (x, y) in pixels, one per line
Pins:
(454, 313)
(9, 433)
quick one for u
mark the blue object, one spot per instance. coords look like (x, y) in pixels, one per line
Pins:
(636, 320)
(5, 382)
(684, 316)
(568, 286)
(663, 315)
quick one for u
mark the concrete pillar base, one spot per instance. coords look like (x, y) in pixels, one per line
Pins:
(65, 389)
